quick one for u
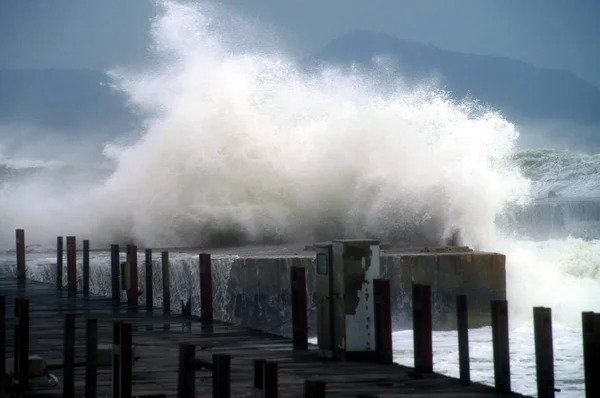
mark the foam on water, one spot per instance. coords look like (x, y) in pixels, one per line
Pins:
(239, 145)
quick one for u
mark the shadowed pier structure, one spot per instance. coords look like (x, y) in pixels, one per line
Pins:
(157, 337)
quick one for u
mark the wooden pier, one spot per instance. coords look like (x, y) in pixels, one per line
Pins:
(157, 337)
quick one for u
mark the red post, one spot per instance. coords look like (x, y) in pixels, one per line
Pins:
(383, 320)
(71, 264)
(299, 308)
(422, 333)
(270, 382)
(133, 292)
(21, 271)
(206, 289)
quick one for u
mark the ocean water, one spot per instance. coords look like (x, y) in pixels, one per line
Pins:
(240, 145)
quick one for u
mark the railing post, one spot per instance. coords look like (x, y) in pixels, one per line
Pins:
(86, 267)
(544, 353)
(314, 389)
(259, 366)
(186, 375)
(133, 290)
(59, 262)
(166, 283)
(149, 281)
(270, 382)
(462, 324)
(206, 288)
(21, 268)
(71, 265)
(3, 335)
(126, 360)
(116, 362)
(21, 352)
(221, 376)
(69, 357)
(501, 345)
(91, 358)
(115, 262)
(422, 332)
(383, 320)
(299, 308)
(591, 353)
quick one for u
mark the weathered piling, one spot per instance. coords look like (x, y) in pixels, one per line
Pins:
(314, 389)
(116, 361)
(59, 262)
(149, 282)
(186, 373)
(258, 367)
(206, 288)
(21, 268)
(590, 323)
(462, 325)
(501, 345)
(166, 283)
(69, 357)
(422, 331)
(21, 340)
(221, 375)
(2, 335)
(91, 358)
(126, 360)
(114, 274)
(270, 380)
(86, 267)
(299, 308)
(132, 289)
(71, 265)
(544, 353)
(383, 320)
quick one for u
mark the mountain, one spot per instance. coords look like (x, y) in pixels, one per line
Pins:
(61, 100)
(520, 91)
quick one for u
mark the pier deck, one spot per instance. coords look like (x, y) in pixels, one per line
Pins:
(156, 338)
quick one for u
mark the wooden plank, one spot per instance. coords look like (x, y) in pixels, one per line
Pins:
(59, 262)
(544, 353)
(501, 345)
(166, 283)
(206, 288)
(115, 274)
(91, 358)
(69, 357)
(149, 282)
(299, 308)
(86, 267)
(462, 325)
(21, 268)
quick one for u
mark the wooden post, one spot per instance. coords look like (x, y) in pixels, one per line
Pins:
(86, 267)
(422, 332)
(166, 283)
(206, 291)
(71, 265)
(299, 308)
(59, 262)
(270, 382)
(22, 342)
(133, 290)
(462, 324)
(258, 365)
(186, 375)
(500, 345)
(149, 282)
(69, 357)
(314, 389)
(116, 362)
(21, 269)
(2, 335)
(114, 275)
(383, 320)
(126, 359)
(91, 358)
(544, 354)
(221, 376)
(591, 353)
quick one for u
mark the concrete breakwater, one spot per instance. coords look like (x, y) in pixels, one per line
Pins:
(252, 284)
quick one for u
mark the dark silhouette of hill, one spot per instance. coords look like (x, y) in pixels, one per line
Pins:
(519, 90)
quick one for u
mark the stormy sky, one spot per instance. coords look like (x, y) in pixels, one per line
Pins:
(94, 34)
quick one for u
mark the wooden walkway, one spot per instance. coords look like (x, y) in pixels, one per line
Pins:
(156, 338)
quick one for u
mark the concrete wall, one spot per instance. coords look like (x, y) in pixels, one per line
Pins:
(259, 287)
